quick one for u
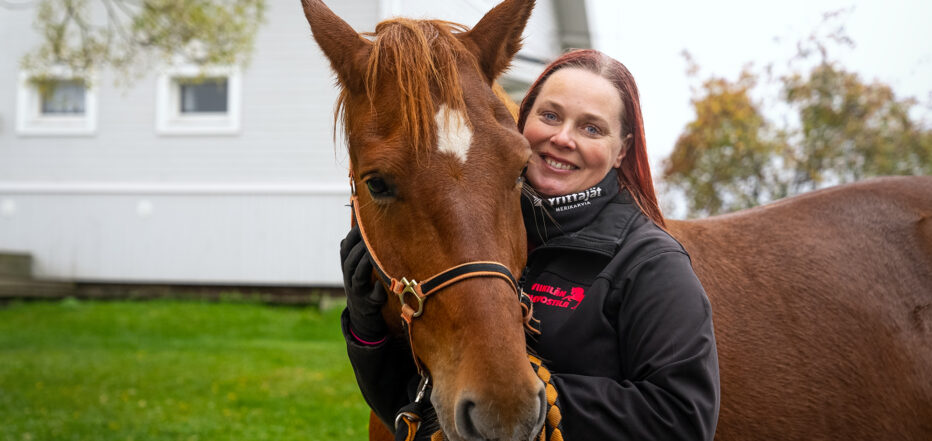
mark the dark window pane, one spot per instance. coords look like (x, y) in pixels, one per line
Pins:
(209, 95)
(63, 97)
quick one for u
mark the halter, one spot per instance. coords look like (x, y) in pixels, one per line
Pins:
(421, 290)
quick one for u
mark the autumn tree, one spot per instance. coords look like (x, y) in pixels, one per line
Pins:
(835, 128)
(851, 130)
(127, 35)
(728, 158)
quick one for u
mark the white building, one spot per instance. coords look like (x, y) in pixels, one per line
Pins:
(232, 182)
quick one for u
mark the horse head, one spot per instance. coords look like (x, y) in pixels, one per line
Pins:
(436, 159)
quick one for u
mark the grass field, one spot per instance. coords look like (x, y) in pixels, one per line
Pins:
(175, 370)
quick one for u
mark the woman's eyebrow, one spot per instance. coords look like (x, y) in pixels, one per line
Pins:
(597, 120)
(552, 103)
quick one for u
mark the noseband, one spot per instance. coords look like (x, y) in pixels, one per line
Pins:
(421, 290)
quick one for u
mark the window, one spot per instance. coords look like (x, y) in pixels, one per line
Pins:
(207, 96)
(54, 104)
(63, 97)
(195, 101)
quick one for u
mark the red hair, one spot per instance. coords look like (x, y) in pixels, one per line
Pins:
(634, 171)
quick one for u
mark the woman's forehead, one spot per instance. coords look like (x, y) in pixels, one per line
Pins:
(581, 90)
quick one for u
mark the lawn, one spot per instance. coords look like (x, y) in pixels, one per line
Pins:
(175, 370)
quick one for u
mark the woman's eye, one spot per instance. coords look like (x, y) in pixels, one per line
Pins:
(592, 130)
(378, 187)
(549, 116)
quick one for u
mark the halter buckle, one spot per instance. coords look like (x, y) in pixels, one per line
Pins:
(422, 387)
(410, 287)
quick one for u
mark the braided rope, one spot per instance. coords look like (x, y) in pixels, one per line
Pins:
(552, 431)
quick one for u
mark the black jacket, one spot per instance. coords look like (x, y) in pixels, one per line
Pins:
(626, 330)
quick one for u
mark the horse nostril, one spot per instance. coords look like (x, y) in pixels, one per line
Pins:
(465, 425)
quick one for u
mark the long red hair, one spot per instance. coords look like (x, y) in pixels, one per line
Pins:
(634, 171)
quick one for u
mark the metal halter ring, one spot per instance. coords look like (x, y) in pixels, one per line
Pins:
(410, 286)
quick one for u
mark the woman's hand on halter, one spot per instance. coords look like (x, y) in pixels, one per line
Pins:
(364, 298)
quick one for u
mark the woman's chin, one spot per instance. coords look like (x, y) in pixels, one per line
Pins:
(551, 184)
(548, 188)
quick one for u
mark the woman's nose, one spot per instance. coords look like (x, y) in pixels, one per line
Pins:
(564, 137)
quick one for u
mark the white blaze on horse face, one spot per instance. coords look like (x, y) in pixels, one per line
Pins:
(453, 134)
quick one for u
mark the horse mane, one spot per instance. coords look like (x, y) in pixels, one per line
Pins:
(414, 55)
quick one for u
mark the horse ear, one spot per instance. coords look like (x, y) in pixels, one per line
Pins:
(346, 49)
(497, 37)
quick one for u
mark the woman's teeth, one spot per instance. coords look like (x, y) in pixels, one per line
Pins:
(558, 165)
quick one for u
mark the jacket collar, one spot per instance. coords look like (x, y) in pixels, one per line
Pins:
(596, 219)
(605, 233)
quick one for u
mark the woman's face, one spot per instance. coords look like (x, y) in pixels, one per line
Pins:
(574, 129)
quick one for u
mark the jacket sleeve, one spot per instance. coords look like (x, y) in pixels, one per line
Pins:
(384, 373)
(670, 386)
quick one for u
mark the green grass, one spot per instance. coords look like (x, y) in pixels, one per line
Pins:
(175, 370)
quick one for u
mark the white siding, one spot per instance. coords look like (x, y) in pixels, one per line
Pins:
(270, 237)
(286, 134)
(265, 205)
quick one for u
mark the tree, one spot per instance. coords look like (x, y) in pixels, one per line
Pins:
(850, 130)
(837, 129)
(127, 35)
(727, 158)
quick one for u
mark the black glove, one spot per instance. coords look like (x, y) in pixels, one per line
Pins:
(364, 299)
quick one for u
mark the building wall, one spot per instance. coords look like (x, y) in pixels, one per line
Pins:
(285, 136)
(216, 237)
(266, 205)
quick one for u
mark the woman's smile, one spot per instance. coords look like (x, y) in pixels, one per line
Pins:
(558, 164)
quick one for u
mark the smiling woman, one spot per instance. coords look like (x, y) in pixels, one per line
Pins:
(574, 133)
(626, 325)
(600, 79)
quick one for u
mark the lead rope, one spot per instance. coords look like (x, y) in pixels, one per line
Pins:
(553, 430)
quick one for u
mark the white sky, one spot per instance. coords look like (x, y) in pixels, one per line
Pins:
(893, 44)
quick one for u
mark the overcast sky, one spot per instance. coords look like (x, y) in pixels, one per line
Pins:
(893, 38)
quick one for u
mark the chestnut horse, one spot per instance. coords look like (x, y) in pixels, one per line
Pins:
(435, 155)
(822, 302)
(823, 312)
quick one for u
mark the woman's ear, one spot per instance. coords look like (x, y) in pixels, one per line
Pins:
(625, 146)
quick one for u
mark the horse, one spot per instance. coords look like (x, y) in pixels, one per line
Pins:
(435, 154)
(821, 302)
(822, 308)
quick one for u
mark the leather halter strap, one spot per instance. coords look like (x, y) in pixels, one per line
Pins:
(421, 290)
(433, 284)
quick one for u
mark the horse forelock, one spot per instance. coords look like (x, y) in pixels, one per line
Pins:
(416, 59)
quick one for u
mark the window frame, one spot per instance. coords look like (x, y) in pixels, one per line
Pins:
(171, 121)
(30, 121)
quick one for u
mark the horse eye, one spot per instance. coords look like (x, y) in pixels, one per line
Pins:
(521, 178)
(378, 188)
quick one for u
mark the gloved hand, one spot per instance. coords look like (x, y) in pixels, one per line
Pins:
(364, 299)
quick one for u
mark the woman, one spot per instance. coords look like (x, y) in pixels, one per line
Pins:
(607, 282)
